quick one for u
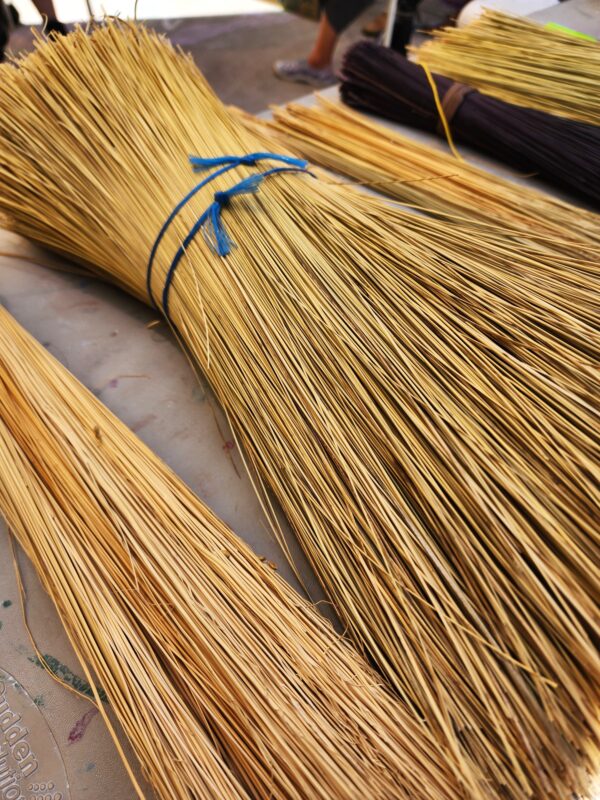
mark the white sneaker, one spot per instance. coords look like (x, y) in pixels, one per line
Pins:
(302, 72)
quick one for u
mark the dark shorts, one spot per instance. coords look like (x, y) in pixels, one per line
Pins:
(342, 13)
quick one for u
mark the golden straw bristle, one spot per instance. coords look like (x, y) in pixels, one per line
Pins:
(227, 683)
(420, 395)
(348, 142)
(521, 62)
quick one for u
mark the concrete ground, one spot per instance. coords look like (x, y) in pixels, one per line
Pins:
(236, 54)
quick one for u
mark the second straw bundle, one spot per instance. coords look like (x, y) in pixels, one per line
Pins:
(334, 136)
(227, 683)
(521, 62)
(421, 397)
(561, 151)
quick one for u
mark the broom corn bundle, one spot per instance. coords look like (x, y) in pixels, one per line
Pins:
(521, 62)
(227, 683)
(420, 397)
(561, 151)
(340, 139)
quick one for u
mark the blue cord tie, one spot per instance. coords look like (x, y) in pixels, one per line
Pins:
(212, 227)
(249, 160)
(210, 221)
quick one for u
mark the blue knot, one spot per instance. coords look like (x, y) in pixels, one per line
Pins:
(248, 160)
(222, 198)
(210, 222)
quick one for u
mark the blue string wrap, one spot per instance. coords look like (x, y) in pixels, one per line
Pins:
(249, 160)
(210, 221)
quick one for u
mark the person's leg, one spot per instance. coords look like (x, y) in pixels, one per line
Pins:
(46, 8)
(317, 70)
(48, 12)
(321, 55)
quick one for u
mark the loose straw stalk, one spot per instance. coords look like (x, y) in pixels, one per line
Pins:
(335, 137)
(227, 683)
(420, 396)
(521, 62)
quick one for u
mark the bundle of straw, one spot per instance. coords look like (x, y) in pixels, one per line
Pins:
(335, 137)
(420, 397)
(227, 683)
(561, 151)
(516, 60)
